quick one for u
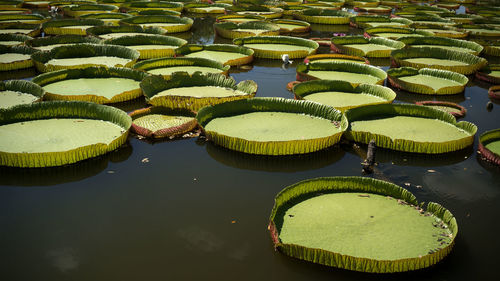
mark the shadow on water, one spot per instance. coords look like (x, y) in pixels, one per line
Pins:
(131, 105)
(400, 158)
(26, 74)
(63, 174)
(286, 163)
(404, 96)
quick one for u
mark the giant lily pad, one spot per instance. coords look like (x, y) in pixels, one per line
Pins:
(427, 81)
(394, 32)
(365, 21)
(205, 8)
(70, 26)
(110, 32)
(167, 66)
(323, 16)
(489, 146)
(438, 58)
(84, 9)
(162, 122)
(268, 13)
(360, 224)
(336, 58)
(95, 84)
(195, 91)
(15, 57)
(354, 73)
(342, 95)
(107, 18)
(171, 24)
(292, 26)
(444, 43)
(410, 128)
(272, 126)
(15, 92)
(6, 19)
(13, 39)
(157, 5)
(84, 55)
(274, 47)
(490, 73)
(233, 30)
(239, 18)
(50, 42)
(28, 29)
(57, 133)
(365, 47)
(452, 108)
(223, 53)
(149, 46)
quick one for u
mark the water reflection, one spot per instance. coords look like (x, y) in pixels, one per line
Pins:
(129, 106)
(412, 97)
(287, 163)
(465, 185)
(400, 158)
(26, 74)
(63, 174)
(63, 259)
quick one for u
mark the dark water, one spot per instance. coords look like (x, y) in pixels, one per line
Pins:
(196, 211)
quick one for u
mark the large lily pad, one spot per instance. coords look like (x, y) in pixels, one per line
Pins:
(272, 126)
(6, 19)
(13, 39)
(490, 73)
(171, 24)
(84, 9)
(149, 46)
(427, 81)
(107, 18)
(70, 26)
(233, 30)
(84, 55)
(95, 84)
(239, 18)
(365, 47)
(336, 58)
(354, 73)
(489, 146)
(292, 26)
(57, 133)
(157, 5)
(28, 29)
(444, 43)
(15, 92)
(111, 32)
(394, 33)
(167, 66)
(365, 21)
(323, 16)
(15, 57)
(360, 224)
(452, 108)
(409, 128)
(205, 8)
(162, 122)
(195, 91)
(223, 53)
(50, 42)
(342, 95)
(274, 47)
(438, 58)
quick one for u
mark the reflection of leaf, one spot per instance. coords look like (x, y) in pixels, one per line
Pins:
(198, 239)
(145, 160)
(63, 259)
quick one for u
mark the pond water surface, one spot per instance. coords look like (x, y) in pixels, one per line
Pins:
(190, 210)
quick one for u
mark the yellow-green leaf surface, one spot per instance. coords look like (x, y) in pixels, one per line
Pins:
(11, 98)
(363, 225)
(106, 87)
(219, 56)
(188, 69)
(341, 100)
(155, 122)
(54, 135)
(201, 92)
(97, 60)
(273, 126)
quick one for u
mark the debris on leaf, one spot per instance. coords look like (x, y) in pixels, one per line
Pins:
(145, 160)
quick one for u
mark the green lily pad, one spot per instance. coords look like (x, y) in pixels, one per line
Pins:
(167, 66)
(354, 73)
(272, 126)
(427, 81)
(365, 47)
(161, 122)
(274, 47)
(223, 53)
(59, 133)
(360, 224)
(342, 95)
(410, 128)
(15, 92)
(489, 146)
